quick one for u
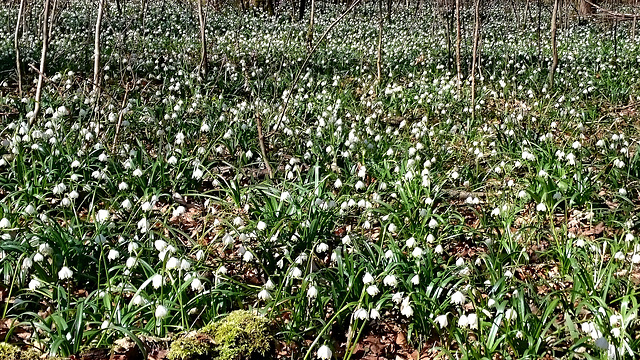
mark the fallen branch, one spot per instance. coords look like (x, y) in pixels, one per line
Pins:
(617, 15)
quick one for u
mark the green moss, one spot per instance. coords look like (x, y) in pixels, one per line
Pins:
(8, 352)
(238, 336)
(11, 352)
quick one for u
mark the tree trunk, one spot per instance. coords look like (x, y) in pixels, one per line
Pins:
(96, 49)
(310, 31)
(554, 43)
(458, 40)
(203, 40)
(16, 44)
(270, 9)
(303, 6)
(476, 40)
(43, 60)
(389, 5)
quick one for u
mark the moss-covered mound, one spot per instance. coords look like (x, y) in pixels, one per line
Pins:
(240, 335)
(11, 352)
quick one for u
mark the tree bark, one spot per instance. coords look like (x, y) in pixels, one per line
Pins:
(203, 40)
(43, 60)
(554, 43)
(16, 44)
(96, 49)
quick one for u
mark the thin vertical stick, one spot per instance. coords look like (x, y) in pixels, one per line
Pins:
(203, 40)
(43, 60)
(96, 49)
(554, 43)
(379, 60)
(459, 71)
(476, 36)
(16, 45)
(263, 148)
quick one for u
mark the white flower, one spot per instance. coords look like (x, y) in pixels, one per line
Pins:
(374, 314)
(373, 290)
(34, 284)
(463, 321)
(27, 263)
(143, 225)
(367, 278)
(264, 295)
(312, 293)
(541, 207)
(324, 353)
(415, 280)
(397, 297)
(102, 216)
(146, 206)
(59, 189)
(197, 285)
(131, 262)
(390, 280)
(137, 172)
(510, 314)
(296, 272)
(161, 312)
(438, 249)
(321, 248)
(261, 225)
(411, 242)
(433, 223)
(247, 256)
(405, 308)
(126, 204)
(197, 174)
(417, 252)
(65, 273)
(113, 254)
(172, 263)
(178, 211)
(361, 314)
(4, 223)
(442, 321)
(337, 184)
(458, 298)
(472, 321)
(157, 281)
(185, 265)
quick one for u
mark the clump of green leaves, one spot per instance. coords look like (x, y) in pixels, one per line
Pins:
(239, 335)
